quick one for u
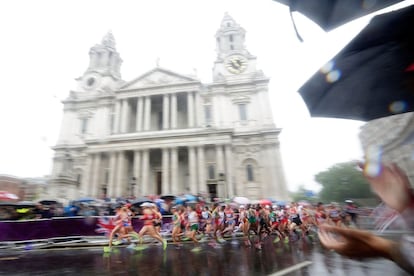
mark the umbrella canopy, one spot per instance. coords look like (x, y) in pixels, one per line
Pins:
(329, 14)
(265, 202)
(139, 201)
(168, 197)
(48, 202)
(4, 195)
(86, 199)
(241, 200)
(372, 77)
(189, 197)
(24, 204)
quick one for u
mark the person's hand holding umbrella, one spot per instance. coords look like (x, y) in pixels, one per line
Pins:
(355, 243)
(391, 184)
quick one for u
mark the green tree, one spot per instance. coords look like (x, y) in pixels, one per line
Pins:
(298, 195)
(343, 181)
(302, 194)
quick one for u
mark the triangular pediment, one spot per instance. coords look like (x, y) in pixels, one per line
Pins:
(158, 77)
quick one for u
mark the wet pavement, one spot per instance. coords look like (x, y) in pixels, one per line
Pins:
(230, 258)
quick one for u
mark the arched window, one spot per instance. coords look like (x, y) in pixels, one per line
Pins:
(249, 173)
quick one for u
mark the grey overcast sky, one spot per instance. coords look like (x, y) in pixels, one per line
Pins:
(45, 45)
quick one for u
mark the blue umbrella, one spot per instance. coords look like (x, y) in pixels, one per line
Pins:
(179, 201)
(86, 199)
(189, 197)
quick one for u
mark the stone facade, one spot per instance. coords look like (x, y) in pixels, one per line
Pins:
(167, 133)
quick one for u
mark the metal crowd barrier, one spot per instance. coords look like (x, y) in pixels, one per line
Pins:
(64, 231)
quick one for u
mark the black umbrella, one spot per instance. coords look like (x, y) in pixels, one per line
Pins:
(372, 77)
(48, 202)
(329, 14)
(168, 197)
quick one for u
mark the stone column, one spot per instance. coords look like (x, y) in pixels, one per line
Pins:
(145, 170)
(117, 116)
(219, 158)
(174, 171)
(137, 171)
(147, 116)
(229, 171)
(112, 175)
(165, 170)
(220, 170)
(124, 111)
(120, 183)
(190, 109)
(192, 171)
(173, 111)
(86, 185)
(165, 111)
(140, 114)
(198, 107)
(95, 174)
(201, 169)
(127, 116)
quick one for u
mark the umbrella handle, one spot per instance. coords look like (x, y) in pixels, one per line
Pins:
(291, 10)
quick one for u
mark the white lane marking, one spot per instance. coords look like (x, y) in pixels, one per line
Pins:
(292, 268)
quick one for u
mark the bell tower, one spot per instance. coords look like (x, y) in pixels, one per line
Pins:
(104, 66)
(232, 56)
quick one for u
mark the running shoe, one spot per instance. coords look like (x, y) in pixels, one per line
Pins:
(286, 240)
(131, 246)
(196, 249)
(277, 239)
(117, 242)
(140, 247)
(204, 239)
(164, 244)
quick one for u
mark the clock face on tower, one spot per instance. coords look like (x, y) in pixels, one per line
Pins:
(236, 64)
(90, 81)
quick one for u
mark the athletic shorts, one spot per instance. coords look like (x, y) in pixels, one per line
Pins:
(194, 227)
(297, 221)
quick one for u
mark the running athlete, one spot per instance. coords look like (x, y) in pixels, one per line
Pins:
(334, 215)
(157, 218)
(244, 224)
(192, 226)
(274, 223)
(118, 225)
(230, 220)
(320, 214)
(221, 223)
(295, 220)
(127, 223)
(176, 231)
(207, 220)
(148, 228)
(216, 220)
